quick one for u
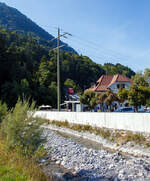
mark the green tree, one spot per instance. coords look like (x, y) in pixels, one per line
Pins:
(108, 98)
(27, 68)
(147, 74)
(111, 97)
(89, 98)
(70, 83)
(122, 95)
(138, 95)
(3, 111)
(53, 93)
(112, 69)
(45, 75)
(139, 80)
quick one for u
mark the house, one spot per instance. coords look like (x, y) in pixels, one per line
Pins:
(112, 82)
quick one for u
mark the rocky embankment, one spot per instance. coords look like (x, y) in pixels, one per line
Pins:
(85, 163)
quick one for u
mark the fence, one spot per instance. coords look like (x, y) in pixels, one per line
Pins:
(125, 121)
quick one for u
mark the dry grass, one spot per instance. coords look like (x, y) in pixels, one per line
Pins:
(119, 137)
(105, 133)
(137, 138)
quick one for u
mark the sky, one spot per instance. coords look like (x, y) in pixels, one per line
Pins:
(108, 31)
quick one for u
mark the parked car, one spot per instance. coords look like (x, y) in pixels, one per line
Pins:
(148, 111)
(45, 108)
(124, 109)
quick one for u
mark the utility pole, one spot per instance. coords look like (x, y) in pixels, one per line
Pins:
(58, 72)
(58, 65)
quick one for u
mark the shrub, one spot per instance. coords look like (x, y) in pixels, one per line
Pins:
(105, 133)
(138, 138)
(87, 128)
(16, 167)
(76, 127)
(21, 130)
(3, 111)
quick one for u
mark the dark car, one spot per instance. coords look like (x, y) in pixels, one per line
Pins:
(124, 109)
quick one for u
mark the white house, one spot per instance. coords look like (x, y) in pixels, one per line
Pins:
(112, 82)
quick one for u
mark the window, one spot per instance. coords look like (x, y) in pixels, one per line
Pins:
(120, 86)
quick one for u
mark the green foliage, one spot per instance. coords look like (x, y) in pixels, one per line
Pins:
(21, 130)
(53, 91)
(59, 123)
(12, 19)
(8, 174)
(3, 111)
(122, 95)
(139, 80)
(139, 92)
(82, 70)
(89, 98)
(112, 69)
(28, 69)
(15, 167)
(104, 133)
(20, 144)
(107, 97)
(70, 83)
(147, 73)
(138, 95)
(110, 97)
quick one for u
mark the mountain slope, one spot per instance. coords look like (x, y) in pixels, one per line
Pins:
(12, 19)
(28, 69)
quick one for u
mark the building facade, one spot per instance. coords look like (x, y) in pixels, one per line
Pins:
(112, 82)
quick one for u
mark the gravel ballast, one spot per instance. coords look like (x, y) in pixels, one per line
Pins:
(94, 165)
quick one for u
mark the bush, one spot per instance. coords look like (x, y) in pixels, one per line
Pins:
(105, 133)
(87, 128)
(21, 130)
(16, 167)
(3, 111)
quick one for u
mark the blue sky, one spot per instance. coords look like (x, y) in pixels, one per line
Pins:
(114, 31)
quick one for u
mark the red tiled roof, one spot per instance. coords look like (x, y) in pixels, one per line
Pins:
(119, 78)
(105, 81)
(123, 78)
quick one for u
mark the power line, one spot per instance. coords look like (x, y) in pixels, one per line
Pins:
(89, 42)
(93, 49)
(100, 46)
(101, 51)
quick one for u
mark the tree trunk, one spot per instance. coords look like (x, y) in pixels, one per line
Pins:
(136, 109)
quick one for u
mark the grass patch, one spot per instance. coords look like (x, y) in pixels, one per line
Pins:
(16, 167)
(104, 133)
(137, 138)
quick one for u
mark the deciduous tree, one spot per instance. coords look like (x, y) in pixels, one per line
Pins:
(122, 95)
(89, 98)
(138, 95)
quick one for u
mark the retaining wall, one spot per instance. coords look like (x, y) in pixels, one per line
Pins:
(126, 121)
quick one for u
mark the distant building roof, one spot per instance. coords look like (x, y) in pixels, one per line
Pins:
(105, 81)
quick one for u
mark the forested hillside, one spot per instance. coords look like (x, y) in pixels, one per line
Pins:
(28, 69)
(112, 69)
(12, 19)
